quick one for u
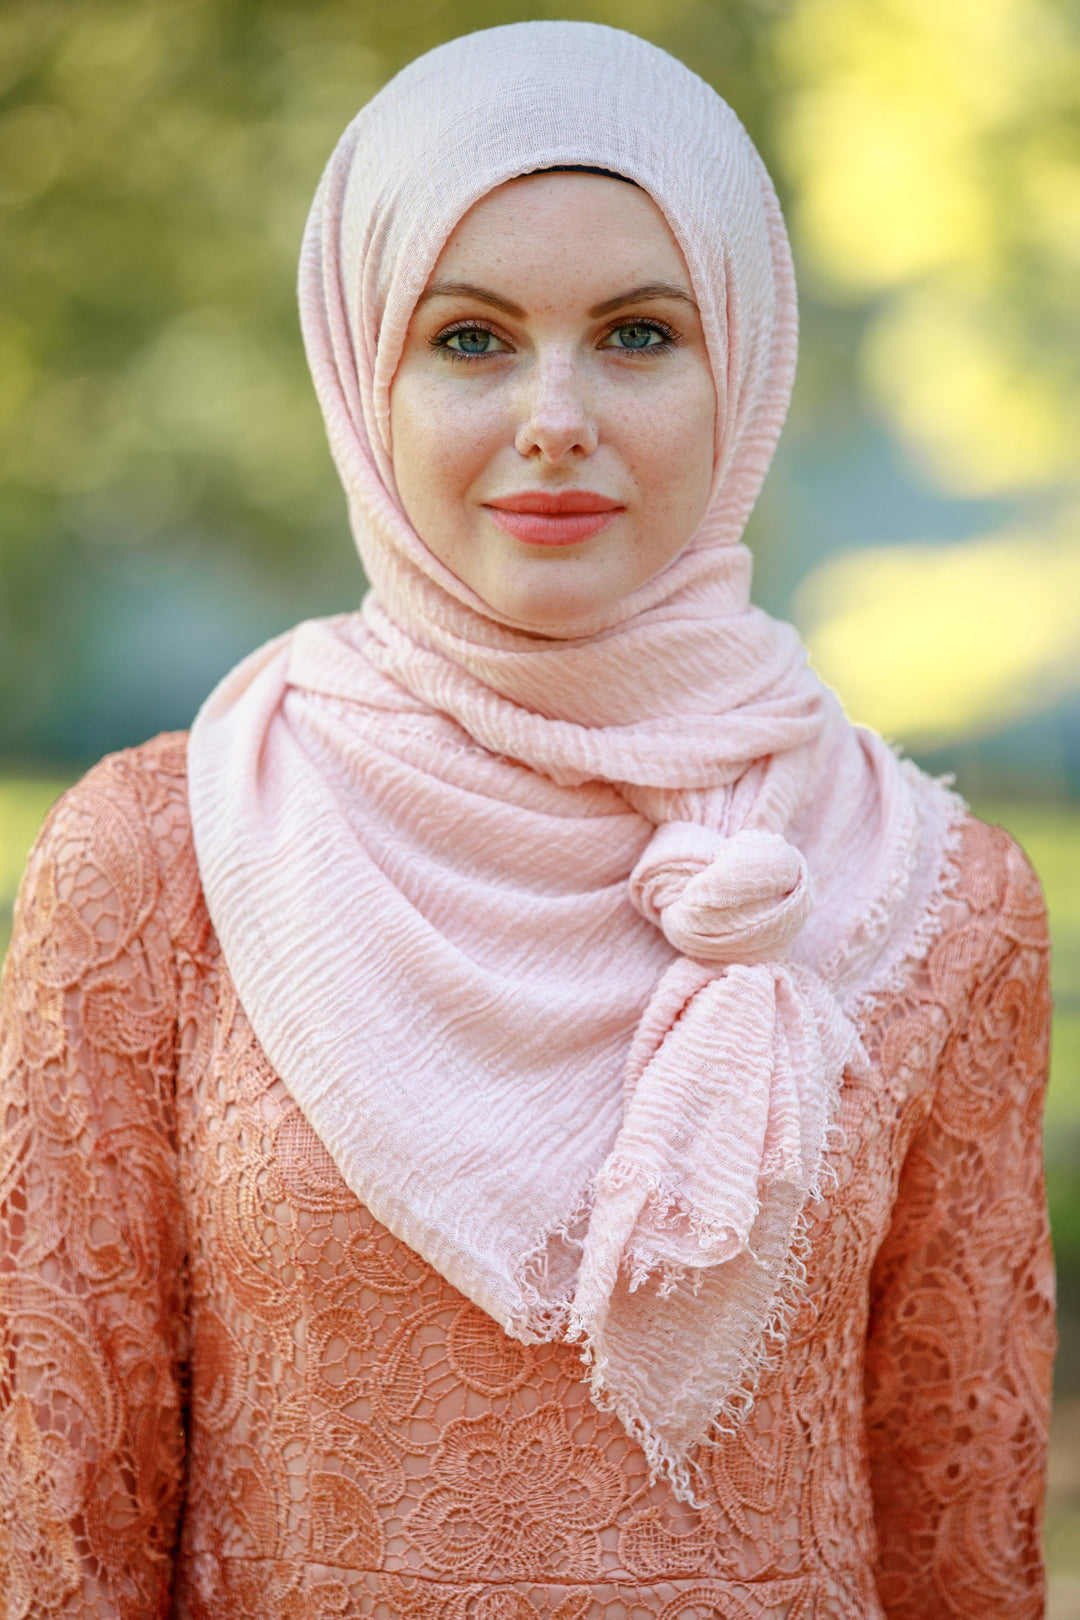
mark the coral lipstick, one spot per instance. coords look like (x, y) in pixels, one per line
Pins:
(553, 517)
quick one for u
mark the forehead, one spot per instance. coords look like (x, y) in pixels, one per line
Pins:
(581, 228)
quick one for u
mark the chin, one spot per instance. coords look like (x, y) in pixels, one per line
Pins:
(553, 595)
(547, 609)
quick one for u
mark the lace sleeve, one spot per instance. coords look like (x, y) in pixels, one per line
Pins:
(961, 1335)
(91, 1252)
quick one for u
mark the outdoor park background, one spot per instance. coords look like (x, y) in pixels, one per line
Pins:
(167, 500)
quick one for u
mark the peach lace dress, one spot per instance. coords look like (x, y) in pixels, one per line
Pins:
(226, 1391)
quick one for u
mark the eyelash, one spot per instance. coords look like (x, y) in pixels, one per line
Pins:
(441, 339)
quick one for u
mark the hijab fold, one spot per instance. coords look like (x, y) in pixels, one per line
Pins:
(560, 944)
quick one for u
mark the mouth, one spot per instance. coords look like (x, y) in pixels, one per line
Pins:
(553, 517)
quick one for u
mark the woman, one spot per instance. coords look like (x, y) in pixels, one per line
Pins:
(532, 968)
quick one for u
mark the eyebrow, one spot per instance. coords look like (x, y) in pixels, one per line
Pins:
(639, 295)
(649, 290)
(466, 289)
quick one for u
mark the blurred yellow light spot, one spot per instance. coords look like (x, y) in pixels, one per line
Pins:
(981, 424)
(933, 643)
(1051, 202)
(932, 150)
(891, 201)
(885, 132)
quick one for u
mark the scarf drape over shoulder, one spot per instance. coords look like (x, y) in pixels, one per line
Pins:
(559, 943)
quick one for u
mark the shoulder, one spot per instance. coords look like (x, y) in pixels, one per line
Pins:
(989, 967)
(993, 895)
(110, 854)
(125, 814)
(133, 780)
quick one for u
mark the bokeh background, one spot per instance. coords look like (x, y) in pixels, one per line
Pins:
(167, 500)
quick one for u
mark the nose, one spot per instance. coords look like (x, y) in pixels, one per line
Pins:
(557, 424)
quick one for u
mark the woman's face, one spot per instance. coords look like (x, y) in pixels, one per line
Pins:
(553, 413)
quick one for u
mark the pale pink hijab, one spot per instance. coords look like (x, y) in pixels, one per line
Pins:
(560, 944)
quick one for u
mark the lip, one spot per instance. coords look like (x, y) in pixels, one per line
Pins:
(561, 517)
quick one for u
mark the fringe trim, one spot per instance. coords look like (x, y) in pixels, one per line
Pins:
(544, 1317)
(668, 1210)
(540, 1316)
(682, 1469)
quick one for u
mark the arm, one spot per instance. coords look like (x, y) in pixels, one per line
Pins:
(91, 1256)
(961, 1332)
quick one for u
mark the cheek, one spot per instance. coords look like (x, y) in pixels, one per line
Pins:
(672, 446)
(442, 438)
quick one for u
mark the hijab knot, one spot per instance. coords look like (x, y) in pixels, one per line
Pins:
(741, 898)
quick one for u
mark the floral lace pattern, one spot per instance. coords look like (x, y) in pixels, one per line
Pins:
(226, 1391)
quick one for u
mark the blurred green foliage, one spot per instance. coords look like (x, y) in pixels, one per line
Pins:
(157, 158)
(156, 164)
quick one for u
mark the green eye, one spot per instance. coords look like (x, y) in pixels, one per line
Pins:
(471, 340)
(637, 335)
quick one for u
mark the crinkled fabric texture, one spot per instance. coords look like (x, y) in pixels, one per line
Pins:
(558, 944)
(227, 1392)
